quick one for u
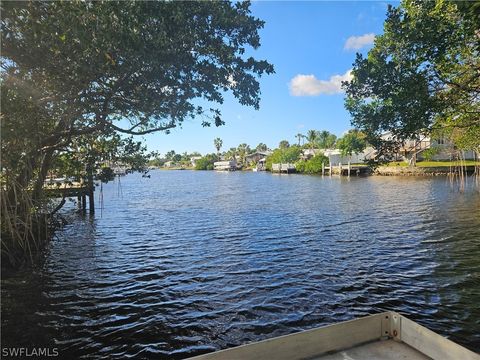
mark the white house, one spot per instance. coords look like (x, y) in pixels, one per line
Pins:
(228, 165)
(257, 156)
(193, 160)
(412, 148)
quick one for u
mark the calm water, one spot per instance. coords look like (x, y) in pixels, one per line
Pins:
(188, 262)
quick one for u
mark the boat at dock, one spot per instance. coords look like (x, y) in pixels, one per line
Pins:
(387, 336)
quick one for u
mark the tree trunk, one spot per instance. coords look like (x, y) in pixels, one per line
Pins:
(42, 174)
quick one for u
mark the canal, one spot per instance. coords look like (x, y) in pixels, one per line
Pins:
(187, 262)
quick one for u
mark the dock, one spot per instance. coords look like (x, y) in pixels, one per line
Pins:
(81, 191)
(345, 170)
(226, 165)
(283, 168)
(386, 336)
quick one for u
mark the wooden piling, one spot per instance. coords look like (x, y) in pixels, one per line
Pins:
(91, 197)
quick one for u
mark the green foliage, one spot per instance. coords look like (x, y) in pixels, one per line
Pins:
(300, 137)
(430, 153)
(145, 62)
(261, 147)
(284, 144)
(242, 151)
(169, 155)
(206, 162)
(217, 142)
(313, 165)
(421, 75)
(96, 152)
(231, 154)
(352, 142)
(312, 137)
(326, 140)
(283, 156)
(106, 174)
(157, 162)
(177, 158)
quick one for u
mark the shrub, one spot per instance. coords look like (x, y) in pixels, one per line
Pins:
(312, 166)
(430, 153)
(284, 156)
(206, 162)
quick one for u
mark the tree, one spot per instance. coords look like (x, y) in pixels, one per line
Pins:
(299, 137)
(170, 154)
(206, 162)
(284, 144)
(157, 162)
(285, 155)
(326, 140)
(312, 137)
(352, 142)
(261, 147)
(177, 158)
(421, 77)
(313, 165)
(93, 68)
(242, 152)
(218, 144)
(141, 62)
(231, 154)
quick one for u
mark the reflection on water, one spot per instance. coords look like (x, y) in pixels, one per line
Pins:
(189, 262)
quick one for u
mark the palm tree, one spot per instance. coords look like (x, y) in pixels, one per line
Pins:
(326, 140)
(231, 154)
(261, 147)
(218, 144)
(312, 137)
(242, 151)
(299, 137)
(284, 144)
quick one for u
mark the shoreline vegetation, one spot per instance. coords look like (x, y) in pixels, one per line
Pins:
(324, 151)
(442, 168)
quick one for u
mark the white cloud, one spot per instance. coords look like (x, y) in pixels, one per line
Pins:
(358, 42)
(309, 85)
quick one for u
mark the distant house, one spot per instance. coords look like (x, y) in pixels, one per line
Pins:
(412, 148)
(169, 164)
(256, 157)
(309, 153)
(335, 156)
(228, 165)
(193, 160)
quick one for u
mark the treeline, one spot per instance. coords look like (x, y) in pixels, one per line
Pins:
(351, 142)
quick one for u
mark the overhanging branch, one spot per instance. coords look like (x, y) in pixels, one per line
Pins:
(142, 132)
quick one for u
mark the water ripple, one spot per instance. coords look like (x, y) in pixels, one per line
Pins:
(191, 262)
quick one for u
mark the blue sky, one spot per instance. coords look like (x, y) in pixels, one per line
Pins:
(308, 43)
